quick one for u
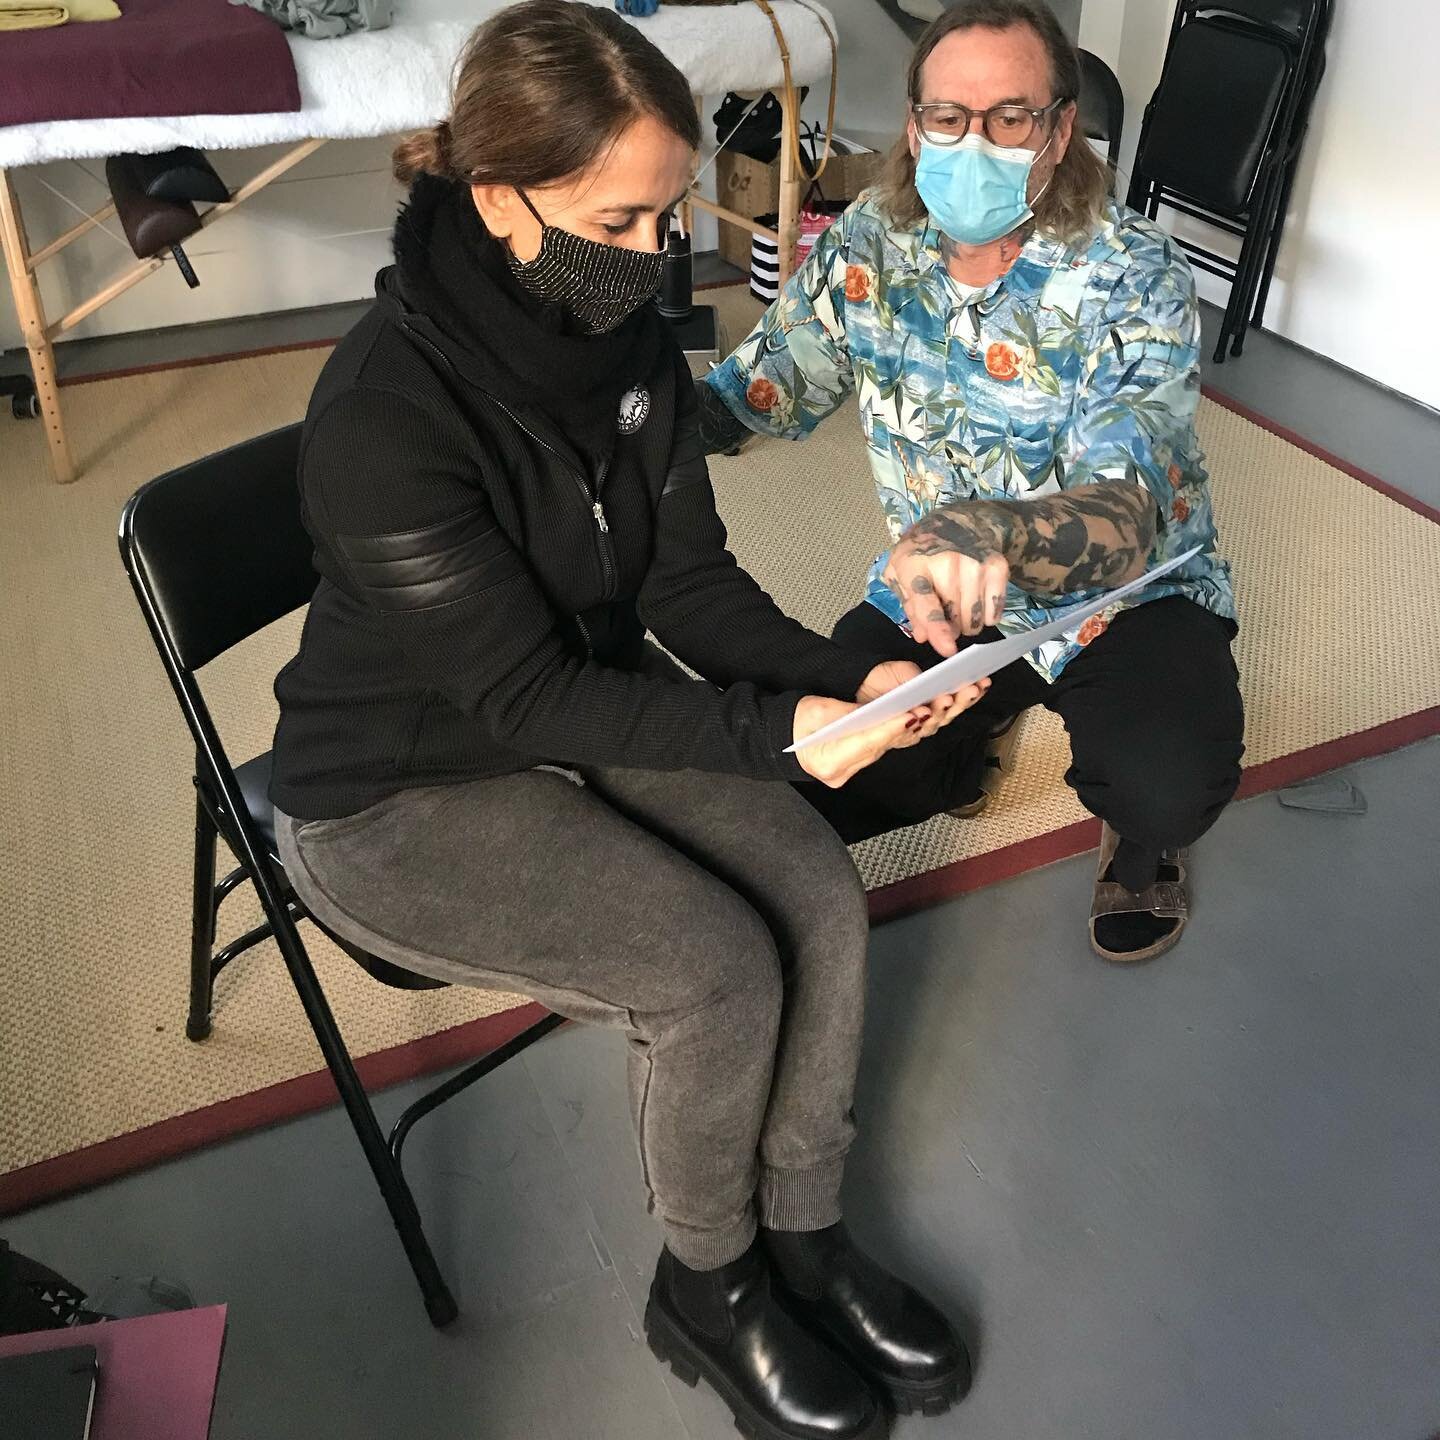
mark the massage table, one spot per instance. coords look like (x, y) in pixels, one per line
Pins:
(382, 83)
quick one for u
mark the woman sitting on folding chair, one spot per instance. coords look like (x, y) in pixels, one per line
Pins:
(484, 773)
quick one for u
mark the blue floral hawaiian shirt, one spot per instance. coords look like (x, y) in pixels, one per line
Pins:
(1080, 364)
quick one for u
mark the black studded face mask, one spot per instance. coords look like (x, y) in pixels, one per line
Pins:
(598, 284)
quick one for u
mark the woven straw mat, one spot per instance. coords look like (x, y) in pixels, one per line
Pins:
(94, 770)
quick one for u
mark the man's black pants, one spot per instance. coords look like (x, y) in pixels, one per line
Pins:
(1154, 715)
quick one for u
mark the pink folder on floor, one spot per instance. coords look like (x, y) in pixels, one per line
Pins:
(157, 1374)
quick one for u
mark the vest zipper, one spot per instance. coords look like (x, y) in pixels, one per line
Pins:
(592, 500)
(597, 510)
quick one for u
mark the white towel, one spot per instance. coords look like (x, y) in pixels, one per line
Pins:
(385, 82)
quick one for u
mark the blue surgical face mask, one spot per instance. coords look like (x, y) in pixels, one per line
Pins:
(976, 191)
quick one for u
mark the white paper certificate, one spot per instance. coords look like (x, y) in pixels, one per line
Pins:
(977, 661)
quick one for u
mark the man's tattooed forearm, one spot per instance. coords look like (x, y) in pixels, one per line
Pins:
(1090, 538)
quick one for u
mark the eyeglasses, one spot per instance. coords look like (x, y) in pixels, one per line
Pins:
(942, 122)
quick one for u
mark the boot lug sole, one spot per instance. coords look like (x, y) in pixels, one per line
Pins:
(933, 1399)
(670, 1347)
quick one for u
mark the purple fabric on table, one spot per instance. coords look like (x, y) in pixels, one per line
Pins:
(161, 57)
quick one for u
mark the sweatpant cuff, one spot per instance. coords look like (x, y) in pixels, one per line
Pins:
(710, 1249)
(801, 1199)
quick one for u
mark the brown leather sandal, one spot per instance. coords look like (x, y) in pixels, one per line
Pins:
(1165, 899)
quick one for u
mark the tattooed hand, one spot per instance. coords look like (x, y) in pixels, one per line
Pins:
(948, 581)
(950, 569)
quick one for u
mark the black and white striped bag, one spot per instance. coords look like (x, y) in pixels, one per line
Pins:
(765, 263)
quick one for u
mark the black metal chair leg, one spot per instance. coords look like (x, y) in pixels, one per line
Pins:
(1237, 315)
(1272, 248)
(1237, 308)
(1254, 255)
(439, 1303)
(1222, 345)
(464, 1079)
(202, 926)
(1300, 130)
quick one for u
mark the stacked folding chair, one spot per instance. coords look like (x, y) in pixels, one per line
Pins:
(1101, 106)
(1222, 135)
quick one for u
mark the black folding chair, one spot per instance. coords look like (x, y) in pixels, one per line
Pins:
(215, 551)
(1101, 105)
(1222, 135)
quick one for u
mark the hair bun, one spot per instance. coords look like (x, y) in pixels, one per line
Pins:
(427, 152)
(444, 146)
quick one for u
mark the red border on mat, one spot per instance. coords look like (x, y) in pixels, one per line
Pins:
(196, 360)
(94, 1164)
(1301, 443)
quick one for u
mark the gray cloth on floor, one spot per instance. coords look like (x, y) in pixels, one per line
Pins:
(325, 19)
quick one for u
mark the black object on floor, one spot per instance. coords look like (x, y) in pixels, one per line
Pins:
(24, 402)
(1131, 931)
(1327, 795)
(48, 1394)
(698, 334)
(694, 326)
(35, 1297)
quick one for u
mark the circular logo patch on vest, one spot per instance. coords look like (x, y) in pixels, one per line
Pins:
(634, 410)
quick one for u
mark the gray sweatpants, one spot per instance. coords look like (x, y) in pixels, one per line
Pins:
(717, 921)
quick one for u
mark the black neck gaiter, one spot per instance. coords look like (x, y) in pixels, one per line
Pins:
(519, 349)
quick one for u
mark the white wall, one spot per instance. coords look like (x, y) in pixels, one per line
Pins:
(1366, 208)
(1102, 28)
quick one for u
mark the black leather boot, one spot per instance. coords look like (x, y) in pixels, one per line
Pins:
(780, 1382)
(892, 1334)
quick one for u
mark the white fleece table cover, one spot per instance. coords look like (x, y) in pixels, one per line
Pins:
(383, 82)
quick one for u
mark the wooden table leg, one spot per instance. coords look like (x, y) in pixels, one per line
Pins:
(26, 290)
(789, 180)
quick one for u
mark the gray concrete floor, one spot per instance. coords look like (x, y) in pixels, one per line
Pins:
(1195, 1200)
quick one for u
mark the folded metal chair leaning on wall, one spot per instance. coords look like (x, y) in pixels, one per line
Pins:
(1221, 137)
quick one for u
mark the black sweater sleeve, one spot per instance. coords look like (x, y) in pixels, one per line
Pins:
(417, 548)
(709, 612)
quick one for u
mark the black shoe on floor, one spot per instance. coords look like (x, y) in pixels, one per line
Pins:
(892, 1334)
(780, 1382)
